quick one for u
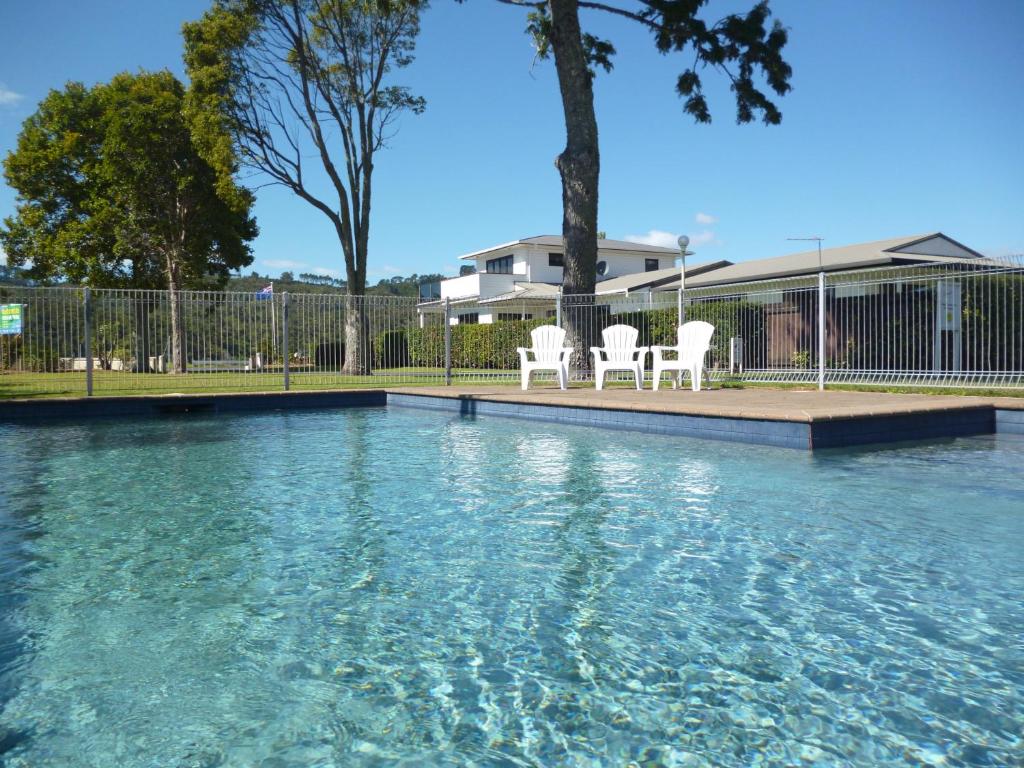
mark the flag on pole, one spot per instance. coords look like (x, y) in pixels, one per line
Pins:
(266, 293)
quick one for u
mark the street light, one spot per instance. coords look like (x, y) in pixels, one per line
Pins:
(683, 242)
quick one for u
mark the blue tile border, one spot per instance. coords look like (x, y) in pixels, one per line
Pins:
(834, 433)
(785, 434)
(828, 433)
(895, 428)
(45, 409)
(1010, 421)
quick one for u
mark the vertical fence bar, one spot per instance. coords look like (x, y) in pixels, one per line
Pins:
(284, 338)
(87, 299)
(447, 342)
(821, 330)
(558, 308)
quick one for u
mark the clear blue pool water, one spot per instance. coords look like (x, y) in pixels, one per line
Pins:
(397, 587)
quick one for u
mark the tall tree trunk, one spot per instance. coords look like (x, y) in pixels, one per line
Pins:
(358, 355)
(579, 165)
(177, 325)
(355, 237)
(357, 337)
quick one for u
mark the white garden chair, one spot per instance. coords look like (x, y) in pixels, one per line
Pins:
(619, 353)
(694, 341)
(549, 354)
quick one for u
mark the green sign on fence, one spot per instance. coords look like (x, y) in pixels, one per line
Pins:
(10, 319)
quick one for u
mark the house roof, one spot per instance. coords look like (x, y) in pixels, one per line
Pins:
(556, 241)
(656, 278)
(914, 249)
(525, 292)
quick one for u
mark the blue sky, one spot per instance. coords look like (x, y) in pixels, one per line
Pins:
(905, 117)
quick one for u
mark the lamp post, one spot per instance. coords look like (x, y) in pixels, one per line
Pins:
(683, 242)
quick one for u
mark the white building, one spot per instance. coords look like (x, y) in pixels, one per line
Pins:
(520, 280)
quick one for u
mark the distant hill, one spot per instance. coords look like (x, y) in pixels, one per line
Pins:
(308, 283)
(305, 283)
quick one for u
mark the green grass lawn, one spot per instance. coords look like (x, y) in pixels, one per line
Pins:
(111, 383)
(19, 385)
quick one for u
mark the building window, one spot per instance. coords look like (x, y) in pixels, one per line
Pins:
(650, 265)
(500, 266)
(514, 316)
(551, 313)
(556, 260)
(470, 318)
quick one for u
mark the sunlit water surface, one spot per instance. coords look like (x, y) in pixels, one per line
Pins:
(377, 588)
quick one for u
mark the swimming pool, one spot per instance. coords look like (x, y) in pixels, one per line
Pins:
(396, 587)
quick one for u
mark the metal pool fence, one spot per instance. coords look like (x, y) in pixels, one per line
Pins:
(950, 325)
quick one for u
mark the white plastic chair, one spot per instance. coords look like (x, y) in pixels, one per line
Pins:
(694, 341)
(619, 353)
(549, 354)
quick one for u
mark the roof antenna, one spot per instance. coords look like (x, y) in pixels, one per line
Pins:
(821, 267)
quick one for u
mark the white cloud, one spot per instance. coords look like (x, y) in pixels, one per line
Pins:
(668, 239)
(655, 237)
(3, 257)
(705, 219)
(703, 238)
(285, 264)
(8, 97)
(326, 272)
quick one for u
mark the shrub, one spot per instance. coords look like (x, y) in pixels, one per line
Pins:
(490, 346)
(391, 349)
(730, 318)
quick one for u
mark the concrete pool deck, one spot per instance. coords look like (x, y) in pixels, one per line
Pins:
(806, 419)
(792, 418)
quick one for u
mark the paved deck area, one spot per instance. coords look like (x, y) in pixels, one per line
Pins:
(804, 406)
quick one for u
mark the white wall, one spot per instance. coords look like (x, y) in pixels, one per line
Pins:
(518, 253)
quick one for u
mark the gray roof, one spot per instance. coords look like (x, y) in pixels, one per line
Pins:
(914, 249)
(930, 248)
(655, 279)
(525, 292)
(556, 241)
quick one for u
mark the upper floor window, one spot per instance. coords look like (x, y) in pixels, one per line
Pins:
(556, 260)
(500, 266)
(650, 265)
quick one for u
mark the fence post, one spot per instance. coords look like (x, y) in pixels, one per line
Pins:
(447, 342)
(285, 302)
(558, 308)
(821, 330)
(87, 299)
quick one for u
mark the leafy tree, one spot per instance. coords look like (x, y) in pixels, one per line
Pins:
(291, 80)
(740, 46)
(112, 192)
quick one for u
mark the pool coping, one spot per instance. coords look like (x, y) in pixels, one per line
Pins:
(36, 409)
(687, 415)
(805, 431)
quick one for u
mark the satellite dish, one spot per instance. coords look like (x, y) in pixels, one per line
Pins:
(602, 268)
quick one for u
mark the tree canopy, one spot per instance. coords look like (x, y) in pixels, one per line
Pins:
(297, 84)
(741, 46)
(112, 191)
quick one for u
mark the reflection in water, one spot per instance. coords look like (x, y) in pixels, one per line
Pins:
(395, 588)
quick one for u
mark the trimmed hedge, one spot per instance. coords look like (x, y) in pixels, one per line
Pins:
(486, 346)
(730, 318)
(391, 349)
(492, 346)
